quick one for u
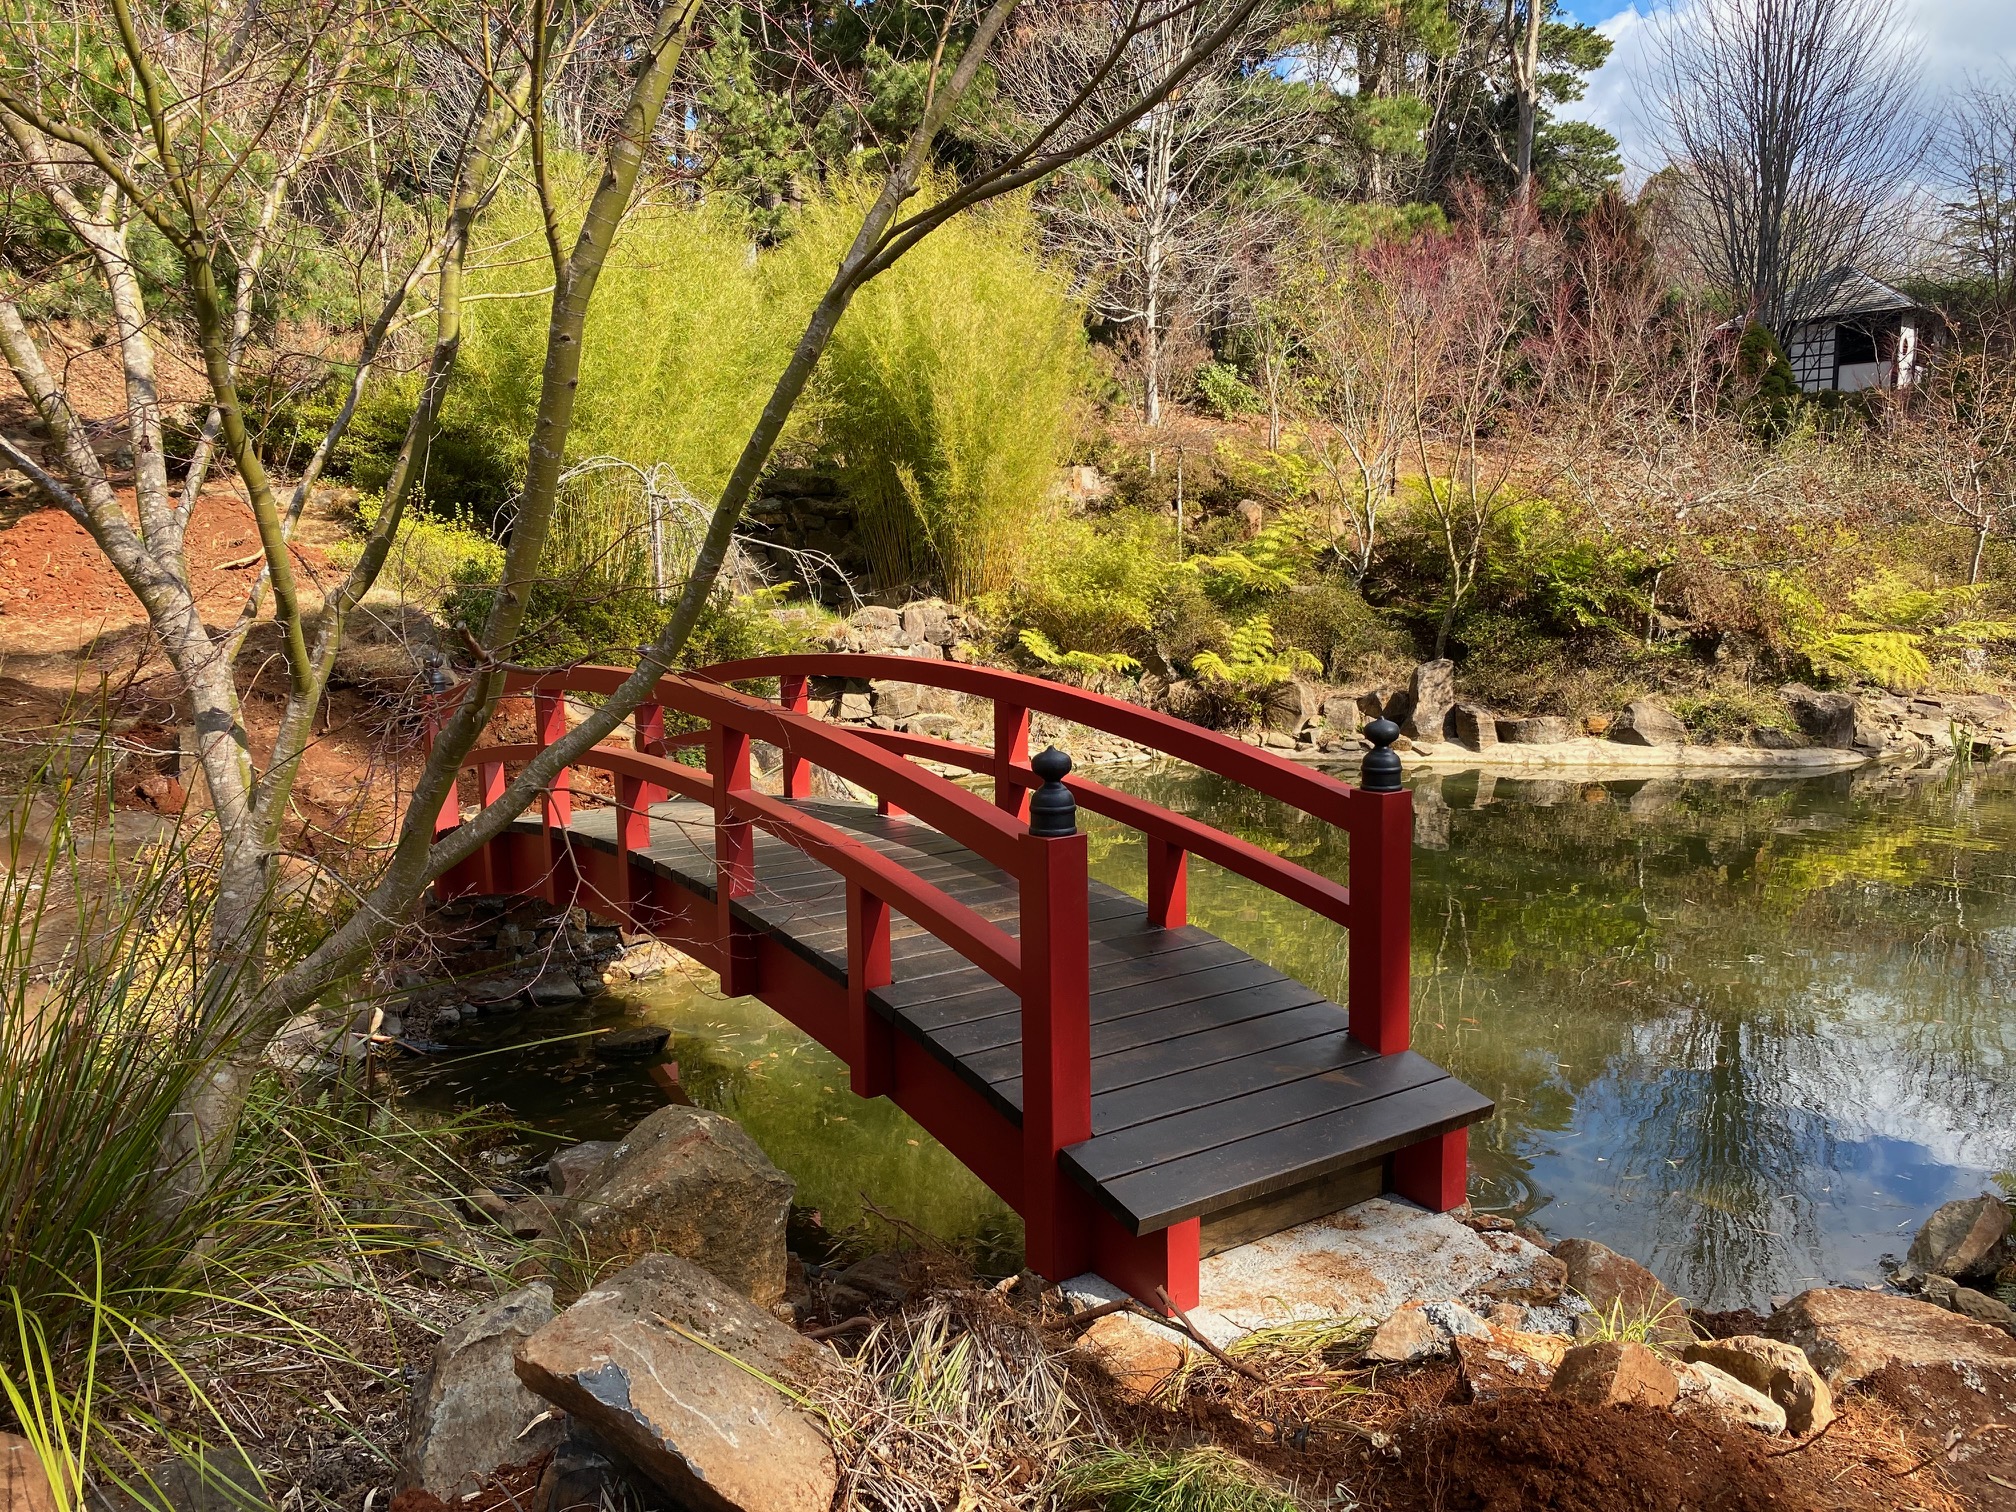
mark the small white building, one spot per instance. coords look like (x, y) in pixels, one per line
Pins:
(1848, 332)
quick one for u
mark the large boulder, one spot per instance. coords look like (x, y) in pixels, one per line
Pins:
(1429, 696)
(691, 1183)
(1710, 1392)
(1291, 707)
(1826, 719)
(1965, 1240)
(666, 1365)
(1778, 1370)
(1614, 1373)
(1647, 722)
(1536, 729)
(1850, 1335)
(1615, 1285)
(470, 1416)
(1474, 725)
(579, 1166)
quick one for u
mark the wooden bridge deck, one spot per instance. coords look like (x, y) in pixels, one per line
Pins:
(1221, 1089)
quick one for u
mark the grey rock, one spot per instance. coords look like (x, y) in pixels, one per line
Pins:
(1409, 1335)
(1771, 738)
(554, 990)
(895, 700)
(1983, 1308)
(1710, 1392)
(928, 623)
(1429, 696)
(1537, 729)
(1474, 725)
(471, 1414)
(1779, 1370)
(580, 1166)
(1826, 719)
(853, 706)
(1646, 722)
(662, 1363)
(1614, 1284)
(638, 1042)
(691, 1183)
(1851, 1334)
(1966, 1240)
(1291, 707)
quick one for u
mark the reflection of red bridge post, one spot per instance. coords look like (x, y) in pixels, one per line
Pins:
(1222, 1117)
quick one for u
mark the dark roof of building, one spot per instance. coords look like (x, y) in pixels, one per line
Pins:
(1844, 292)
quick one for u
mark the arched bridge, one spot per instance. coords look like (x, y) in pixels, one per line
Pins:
(1140, 1091)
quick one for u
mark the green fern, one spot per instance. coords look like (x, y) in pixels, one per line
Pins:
(1896, 633)
(1250, 662)
(1040, 646)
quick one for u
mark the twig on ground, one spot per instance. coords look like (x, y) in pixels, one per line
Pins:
(1209, 1348)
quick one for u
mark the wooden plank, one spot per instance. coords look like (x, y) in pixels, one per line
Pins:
(1225, 1080)
(1279, 1105)
(970, 1034)
(1112, 975)
(1118, 933)
(1150, 1200)
(1001, 1062)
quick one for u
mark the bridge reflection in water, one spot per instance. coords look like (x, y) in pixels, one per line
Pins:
(1141, 1092)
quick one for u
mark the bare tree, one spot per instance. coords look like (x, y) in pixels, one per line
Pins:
(1792, 127)
(1153, 216)
(1959, 436)
(192, 125)
(1977, 160)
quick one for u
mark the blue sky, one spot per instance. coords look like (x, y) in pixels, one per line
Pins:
(1955, 37)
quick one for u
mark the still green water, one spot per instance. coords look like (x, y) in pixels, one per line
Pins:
(1750, 1031)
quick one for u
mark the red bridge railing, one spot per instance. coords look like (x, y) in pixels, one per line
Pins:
(1046, 964)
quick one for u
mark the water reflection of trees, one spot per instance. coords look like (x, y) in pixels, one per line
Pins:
(1728, 983)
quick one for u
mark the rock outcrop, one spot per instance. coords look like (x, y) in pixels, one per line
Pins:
(1614, 1373)
(1712, 1392)
(665, 1364)
(1776, 1369)
(1850, 1335)
(691, 1183)
(1967, 1240)
(1615, 1284)
(1429, 697)
(1646, 722)
(1536, 729)
(471, 1415)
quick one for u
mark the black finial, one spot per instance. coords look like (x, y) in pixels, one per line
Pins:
(1052, 809)
(439, 679)
(1381, 771)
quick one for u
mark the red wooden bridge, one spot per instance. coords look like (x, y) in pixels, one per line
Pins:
(1140, 1091)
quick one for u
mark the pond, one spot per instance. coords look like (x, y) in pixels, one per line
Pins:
(1748, 1030)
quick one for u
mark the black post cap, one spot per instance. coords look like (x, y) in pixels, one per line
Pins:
(1381, 771)
(1053, 812)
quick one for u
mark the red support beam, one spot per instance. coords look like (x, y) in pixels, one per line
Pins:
(1381, 871)
(870, 1054)
(556, 803)
(734, 859)
(794, 692)
(1168, 884)
(1056, 1051)
(1011, 751)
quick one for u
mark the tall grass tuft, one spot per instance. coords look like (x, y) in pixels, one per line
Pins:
(948, 394)
(1201, 1479)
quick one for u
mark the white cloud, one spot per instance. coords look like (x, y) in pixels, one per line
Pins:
(1956, 39)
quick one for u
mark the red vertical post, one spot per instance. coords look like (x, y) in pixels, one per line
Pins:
(1011, 744)
(556, 804)
(1435, 1172)
(633, 833)
(647, 734)
(794, 692)
(1168, 885)
(490, 785)
(734, 859)
(1380, 816)
(887, 808)
(871, 1053)
(1056, 1026)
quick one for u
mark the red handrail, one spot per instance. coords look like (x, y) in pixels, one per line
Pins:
(1047, 964)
